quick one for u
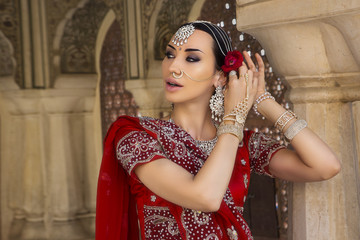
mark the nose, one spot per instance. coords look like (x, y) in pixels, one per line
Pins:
(175, 66)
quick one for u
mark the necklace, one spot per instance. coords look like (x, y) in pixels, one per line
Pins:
(205, 145)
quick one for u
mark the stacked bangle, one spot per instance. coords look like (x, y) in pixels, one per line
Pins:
(234, 129)
(262, 97)
(284, 119)
(295, 128)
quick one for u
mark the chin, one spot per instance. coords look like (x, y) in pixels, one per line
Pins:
(170, 98)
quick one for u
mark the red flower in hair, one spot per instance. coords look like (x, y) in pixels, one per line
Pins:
(233, 60)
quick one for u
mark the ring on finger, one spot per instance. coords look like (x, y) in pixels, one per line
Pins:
(232, 73)
(245, 76)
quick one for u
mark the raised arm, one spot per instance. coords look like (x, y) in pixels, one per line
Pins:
(312, 159)
(202, 192)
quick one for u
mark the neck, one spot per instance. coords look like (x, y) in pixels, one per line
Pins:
(194, 119)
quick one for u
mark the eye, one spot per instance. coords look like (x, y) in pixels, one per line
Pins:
(192, 59)
(168, 54)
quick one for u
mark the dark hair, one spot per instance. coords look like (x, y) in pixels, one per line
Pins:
(222, 42)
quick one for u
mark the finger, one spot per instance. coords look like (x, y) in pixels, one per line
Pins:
(255, 83)
(250, 77)
(249, 61)
(261, 73)
(243, 68)
(249, 82)
(233, 75)
(260, 62)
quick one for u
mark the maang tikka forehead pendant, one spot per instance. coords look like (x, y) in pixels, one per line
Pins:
(183, 34)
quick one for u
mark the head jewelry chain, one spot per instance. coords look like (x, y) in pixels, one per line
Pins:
(184, 32)
(225, 38)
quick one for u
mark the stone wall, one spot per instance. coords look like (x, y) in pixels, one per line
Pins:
(50, 123)
(314, 45)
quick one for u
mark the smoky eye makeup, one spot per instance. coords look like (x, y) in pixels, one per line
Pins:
(169, 53)
(192, 58)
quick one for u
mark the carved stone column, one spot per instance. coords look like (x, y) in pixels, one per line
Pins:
(314, 45)
(49, 164)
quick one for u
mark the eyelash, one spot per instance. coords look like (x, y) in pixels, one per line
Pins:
(168, 54)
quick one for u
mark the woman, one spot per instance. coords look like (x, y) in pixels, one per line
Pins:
(187, 176)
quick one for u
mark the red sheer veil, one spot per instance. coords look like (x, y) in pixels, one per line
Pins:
(116, 216)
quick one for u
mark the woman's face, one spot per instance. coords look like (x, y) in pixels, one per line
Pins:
(196, 59)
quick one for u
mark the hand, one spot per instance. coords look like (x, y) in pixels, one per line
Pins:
(237, 89)
(258, 74)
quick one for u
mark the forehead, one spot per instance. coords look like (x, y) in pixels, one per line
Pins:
(199, 39)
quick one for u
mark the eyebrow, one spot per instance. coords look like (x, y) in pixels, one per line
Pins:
(193, 50)
(188, 49)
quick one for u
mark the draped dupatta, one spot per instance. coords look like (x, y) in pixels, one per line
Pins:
(116, 217)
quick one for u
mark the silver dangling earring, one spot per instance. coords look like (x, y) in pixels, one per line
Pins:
(217, 104)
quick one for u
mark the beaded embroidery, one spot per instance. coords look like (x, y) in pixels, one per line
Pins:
(136, 147)
(232, 233)
(261, 149)
(158, 219)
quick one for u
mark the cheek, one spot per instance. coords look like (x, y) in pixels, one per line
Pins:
(164, 67)
(201, 71)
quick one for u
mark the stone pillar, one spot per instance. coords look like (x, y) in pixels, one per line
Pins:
(315, 46)
(49, 164)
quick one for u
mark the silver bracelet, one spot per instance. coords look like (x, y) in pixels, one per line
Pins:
(234, 129)
(295, 128)
(284, 119)
(262, 97)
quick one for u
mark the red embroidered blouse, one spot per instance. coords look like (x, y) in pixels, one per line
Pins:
(137, 141)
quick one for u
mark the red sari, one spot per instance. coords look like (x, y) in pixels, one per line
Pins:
(125, 205)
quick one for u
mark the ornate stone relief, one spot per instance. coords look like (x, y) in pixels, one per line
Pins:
(223, 13)
(147, 8)
(171, 16)
(56, 11)
(6, 62)
(79, 38)
(11, 29)
(115, 99)
(117, 6)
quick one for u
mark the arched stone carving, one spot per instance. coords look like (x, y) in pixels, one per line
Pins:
(117, 6)
(57, 11)
(77, 49)
(115, 99)
(10, 28)
(148, 8)
(7, 63)
(171, 16)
